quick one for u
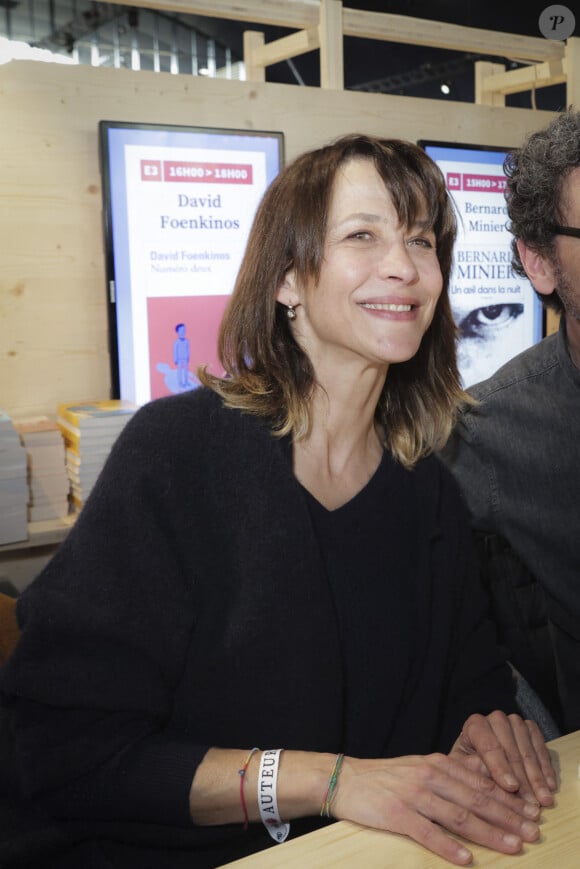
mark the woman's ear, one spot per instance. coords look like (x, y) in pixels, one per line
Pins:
(287, 291)
(539, 270)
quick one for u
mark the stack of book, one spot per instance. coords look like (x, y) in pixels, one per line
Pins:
(89, 429)
(48, 484)
(13, 484)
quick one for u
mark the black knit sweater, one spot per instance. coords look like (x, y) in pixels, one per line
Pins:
(190, 607)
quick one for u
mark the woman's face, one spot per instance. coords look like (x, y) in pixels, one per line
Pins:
(379, 282)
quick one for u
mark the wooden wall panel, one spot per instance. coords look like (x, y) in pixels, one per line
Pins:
(53, 327)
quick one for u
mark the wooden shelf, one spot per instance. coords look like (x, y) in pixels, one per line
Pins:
(47, 533)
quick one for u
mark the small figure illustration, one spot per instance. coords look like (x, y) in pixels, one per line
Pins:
(181, 356)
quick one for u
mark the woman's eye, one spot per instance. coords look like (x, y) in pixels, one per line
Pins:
(360, 233)
(422, 242)
(481, 322)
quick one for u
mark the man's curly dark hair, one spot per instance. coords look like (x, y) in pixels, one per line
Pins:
(535, 176)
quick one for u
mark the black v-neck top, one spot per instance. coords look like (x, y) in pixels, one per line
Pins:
(158, 632)
(367, 547)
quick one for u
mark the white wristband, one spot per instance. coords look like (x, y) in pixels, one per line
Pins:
(267, 798)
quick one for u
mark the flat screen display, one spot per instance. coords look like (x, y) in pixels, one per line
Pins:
(497, 312)
(178, 204)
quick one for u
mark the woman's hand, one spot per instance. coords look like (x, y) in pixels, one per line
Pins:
(511, 751)
(426, 798)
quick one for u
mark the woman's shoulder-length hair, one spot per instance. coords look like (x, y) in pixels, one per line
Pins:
(266, 372)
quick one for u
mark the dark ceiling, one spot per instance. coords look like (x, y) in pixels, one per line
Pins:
(408, 70)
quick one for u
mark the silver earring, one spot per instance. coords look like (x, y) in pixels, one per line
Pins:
(290, 312)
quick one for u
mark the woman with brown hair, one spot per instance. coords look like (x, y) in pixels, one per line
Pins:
(278, 560)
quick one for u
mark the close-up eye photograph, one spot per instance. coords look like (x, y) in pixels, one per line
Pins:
(289, 411)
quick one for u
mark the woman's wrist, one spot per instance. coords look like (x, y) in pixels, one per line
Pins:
(302, 782)
(215, 795)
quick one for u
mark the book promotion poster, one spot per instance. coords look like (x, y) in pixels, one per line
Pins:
(497, 312)
(178, 206)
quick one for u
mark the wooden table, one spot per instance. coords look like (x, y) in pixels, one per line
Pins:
(348, 845)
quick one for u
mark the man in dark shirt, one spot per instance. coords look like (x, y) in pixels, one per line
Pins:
(516, 451)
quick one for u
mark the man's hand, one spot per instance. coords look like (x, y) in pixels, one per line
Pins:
(511, 751)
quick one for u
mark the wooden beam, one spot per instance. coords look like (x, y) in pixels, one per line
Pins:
(294, 14)
(439, 34)
(538, 75)
(253, 43)
(552, 321)
(572, 65)
(286, 47)
(331, 45)
(302, 14)
(483, 71)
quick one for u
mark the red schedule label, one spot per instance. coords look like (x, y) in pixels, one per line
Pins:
(189, 172)
(212, 173)
(474, 183)
(150, 170)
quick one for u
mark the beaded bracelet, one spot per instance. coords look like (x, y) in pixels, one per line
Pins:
(325, 810)
(242, 775)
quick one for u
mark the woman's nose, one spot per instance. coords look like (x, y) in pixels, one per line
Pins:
(397, 262)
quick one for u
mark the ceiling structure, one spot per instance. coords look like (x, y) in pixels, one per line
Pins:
(407, 69)
(372, 66)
